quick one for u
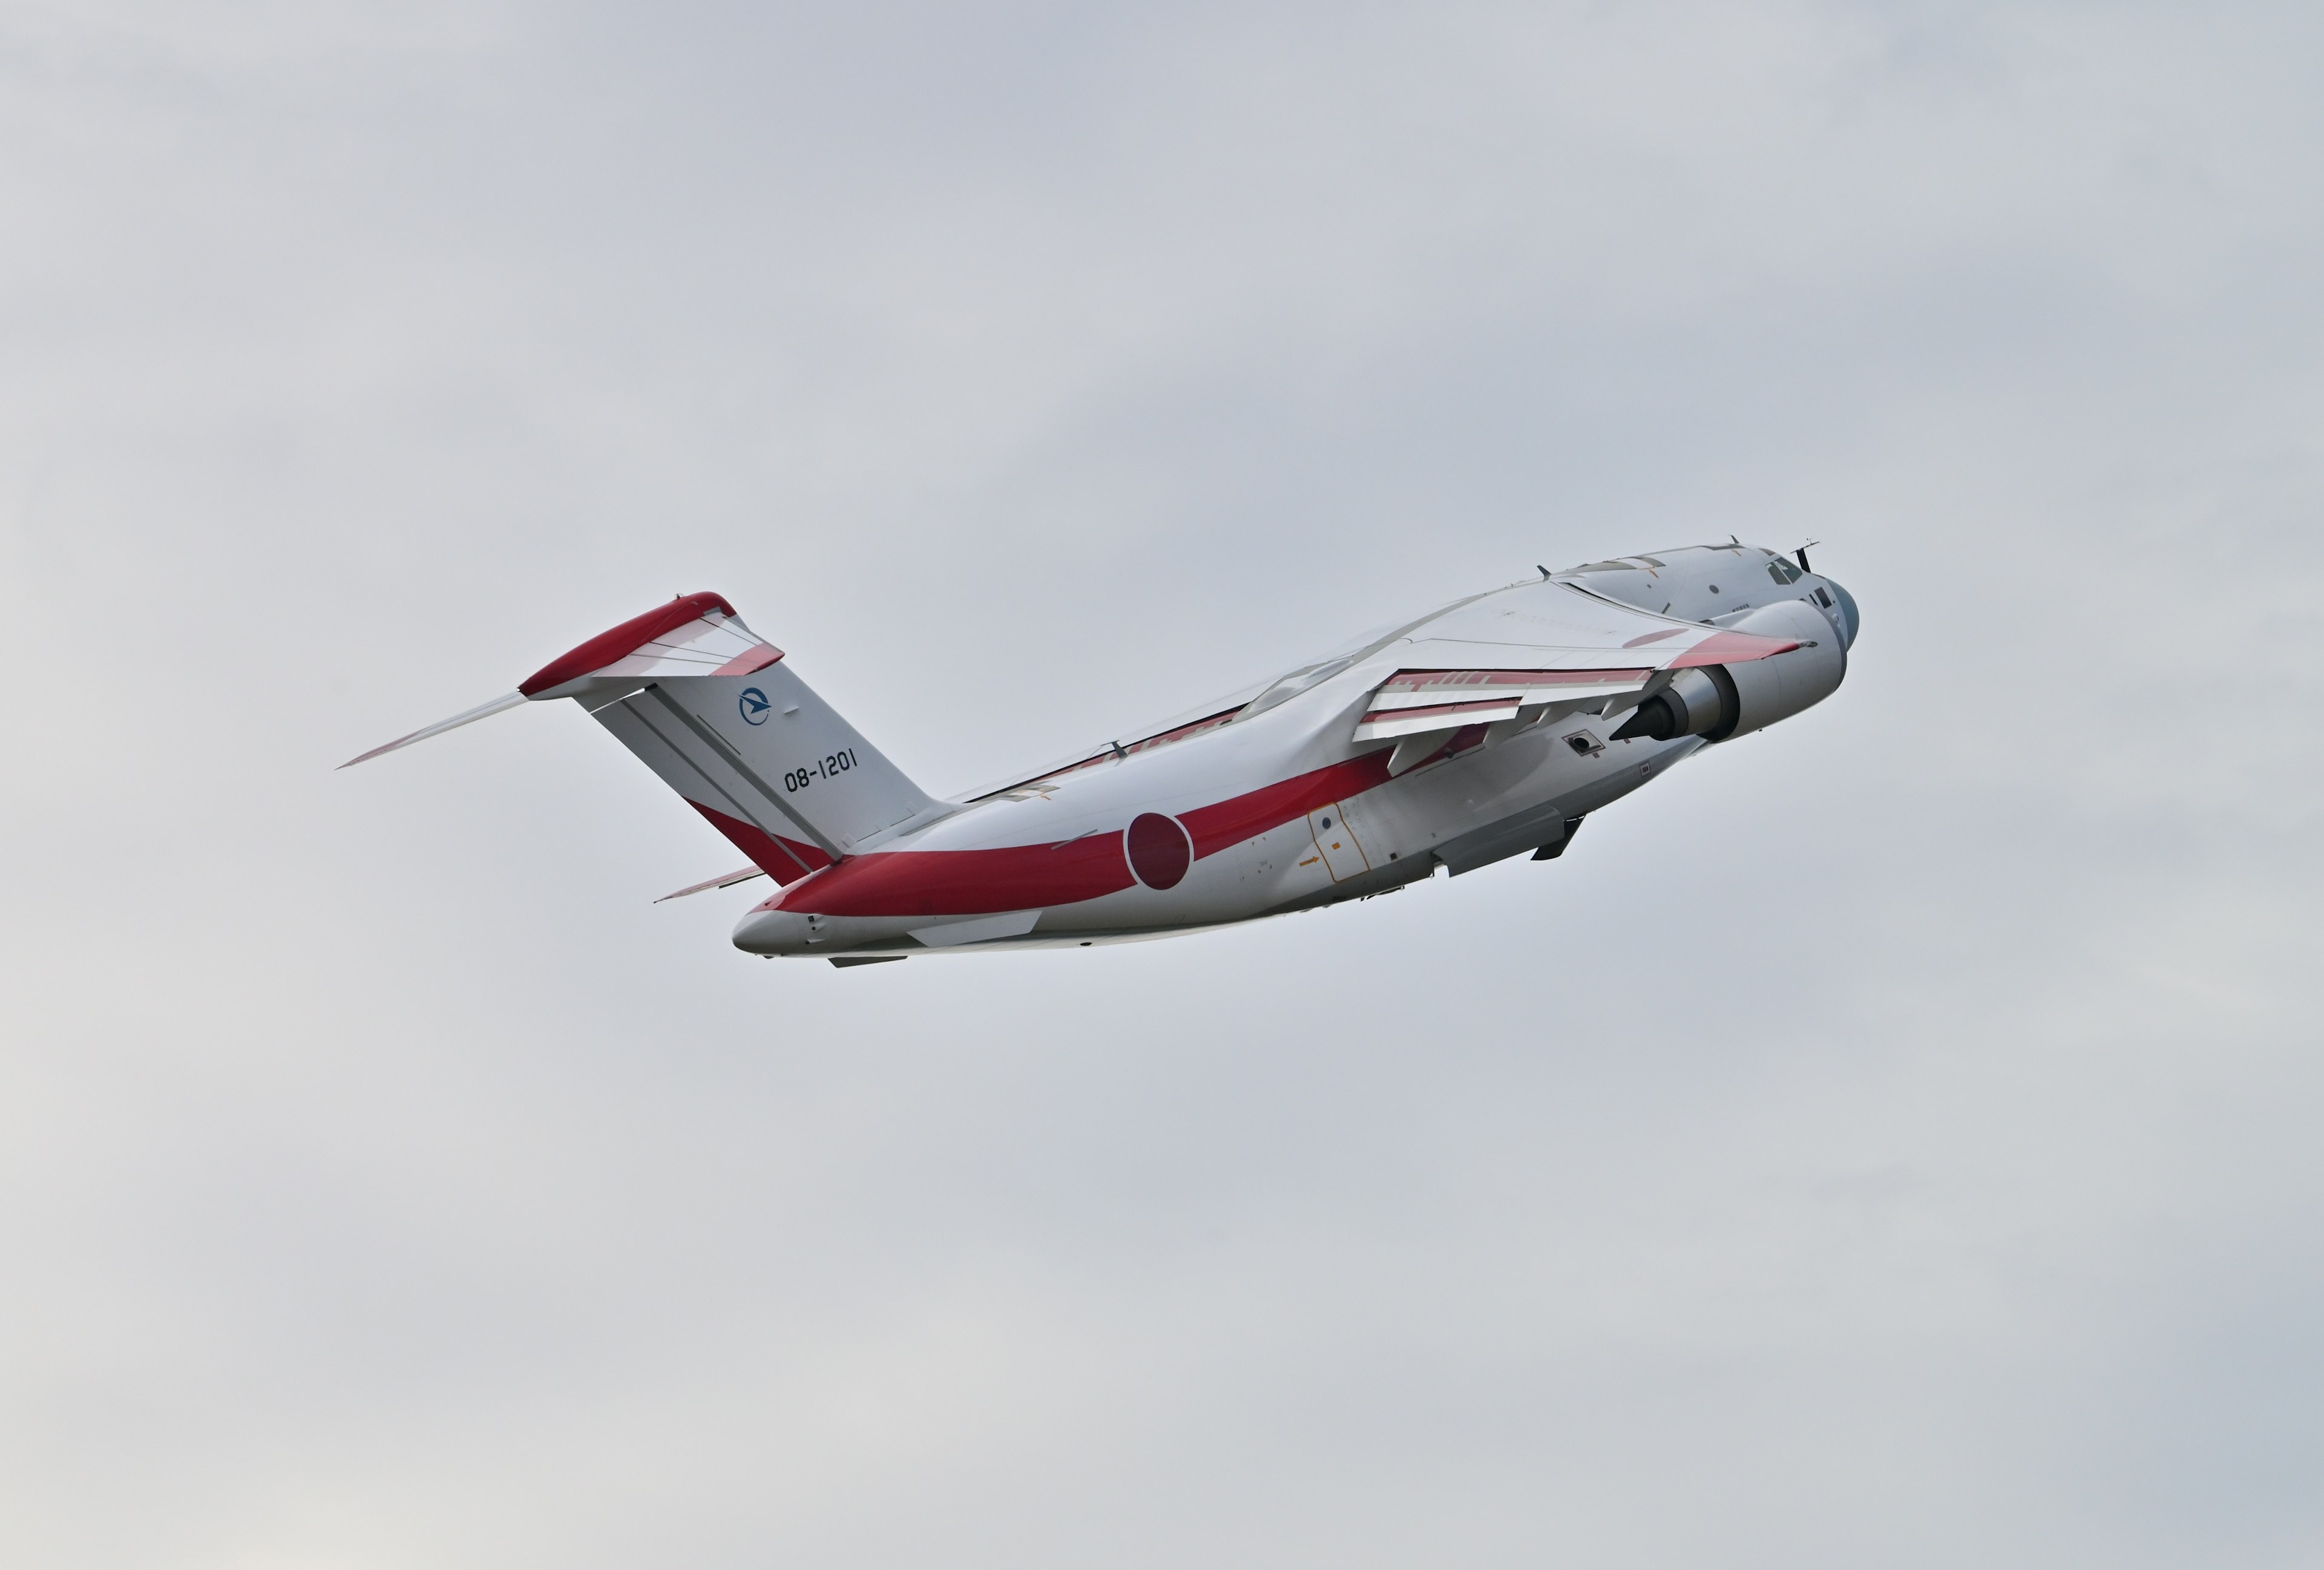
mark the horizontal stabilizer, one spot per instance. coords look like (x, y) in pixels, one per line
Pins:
(722, 881)
(691, 636)
(482, 711)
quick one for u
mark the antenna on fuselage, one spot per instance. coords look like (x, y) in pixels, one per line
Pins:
(1802, 554)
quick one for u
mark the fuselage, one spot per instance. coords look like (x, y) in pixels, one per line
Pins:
(1266, 802)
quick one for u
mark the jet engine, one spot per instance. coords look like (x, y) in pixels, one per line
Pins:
(1702, 702)
(1719, 701)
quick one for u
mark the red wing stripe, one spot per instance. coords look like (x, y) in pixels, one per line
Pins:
(1732, 648)
(750, 659)
(1434, 710)
(1419, 680)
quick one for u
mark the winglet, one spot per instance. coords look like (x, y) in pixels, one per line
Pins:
(482, 711)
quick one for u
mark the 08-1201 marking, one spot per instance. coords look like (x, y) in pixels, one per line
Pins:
(831, 763)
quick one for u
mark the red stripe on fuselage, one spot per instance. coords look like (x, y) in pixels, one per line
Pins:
(1022, 877)
(964, 883)
(1230, 822)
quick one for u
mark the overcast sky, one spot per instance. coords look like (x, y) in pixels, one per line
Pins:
(1891, 1139)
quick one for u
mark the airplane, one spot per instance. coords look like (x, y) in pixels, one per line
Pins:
(1487, 728)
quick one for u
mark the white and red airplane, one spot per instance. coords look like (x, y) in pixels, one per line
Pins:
(1485, 728)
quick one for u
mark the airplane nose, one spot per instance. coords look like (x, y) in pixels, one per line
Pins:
(1848, 618)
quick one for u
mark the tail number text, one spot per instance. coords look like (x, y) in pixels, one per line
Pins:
(835, 764)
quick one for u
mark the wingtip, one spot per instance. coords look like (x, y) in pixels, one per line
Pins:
(482, 711)
(375, 751)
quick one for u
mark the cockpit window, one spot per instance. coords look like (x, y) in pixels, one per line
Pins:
(1782, 571)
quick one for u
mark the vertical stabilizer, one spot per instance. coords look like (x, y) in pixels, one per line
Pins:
(719, 715)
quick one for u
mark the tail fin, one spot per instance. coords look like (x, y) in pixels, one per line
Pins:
(715, 710)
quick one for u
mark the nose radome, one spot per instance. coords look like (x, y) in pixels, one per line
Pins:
(1849, 617)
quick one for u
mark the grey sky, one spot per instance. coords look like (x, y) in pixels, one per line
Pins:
(1890, 1139)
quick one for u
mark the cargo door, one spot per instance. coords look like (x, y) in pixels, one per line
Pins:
(1335, 842)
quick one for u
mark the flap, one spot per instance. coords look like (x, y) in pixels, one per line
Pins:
(1413, 701)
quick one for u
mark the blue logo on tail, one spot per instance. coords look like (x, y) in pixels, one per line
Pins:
(754, 706)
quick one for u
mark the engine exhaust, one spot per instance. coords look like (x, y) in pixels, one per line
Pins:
(1701, 702)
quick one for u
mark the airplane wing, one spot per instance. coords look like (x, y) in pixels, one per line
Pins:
(1551, 643)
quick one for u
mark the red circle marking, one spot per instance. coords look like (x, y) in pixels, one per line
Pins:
(1159, 850)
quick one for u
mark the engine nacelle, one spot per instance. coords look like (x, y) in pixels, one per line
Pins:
(1719, 701)
(1772, 689)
